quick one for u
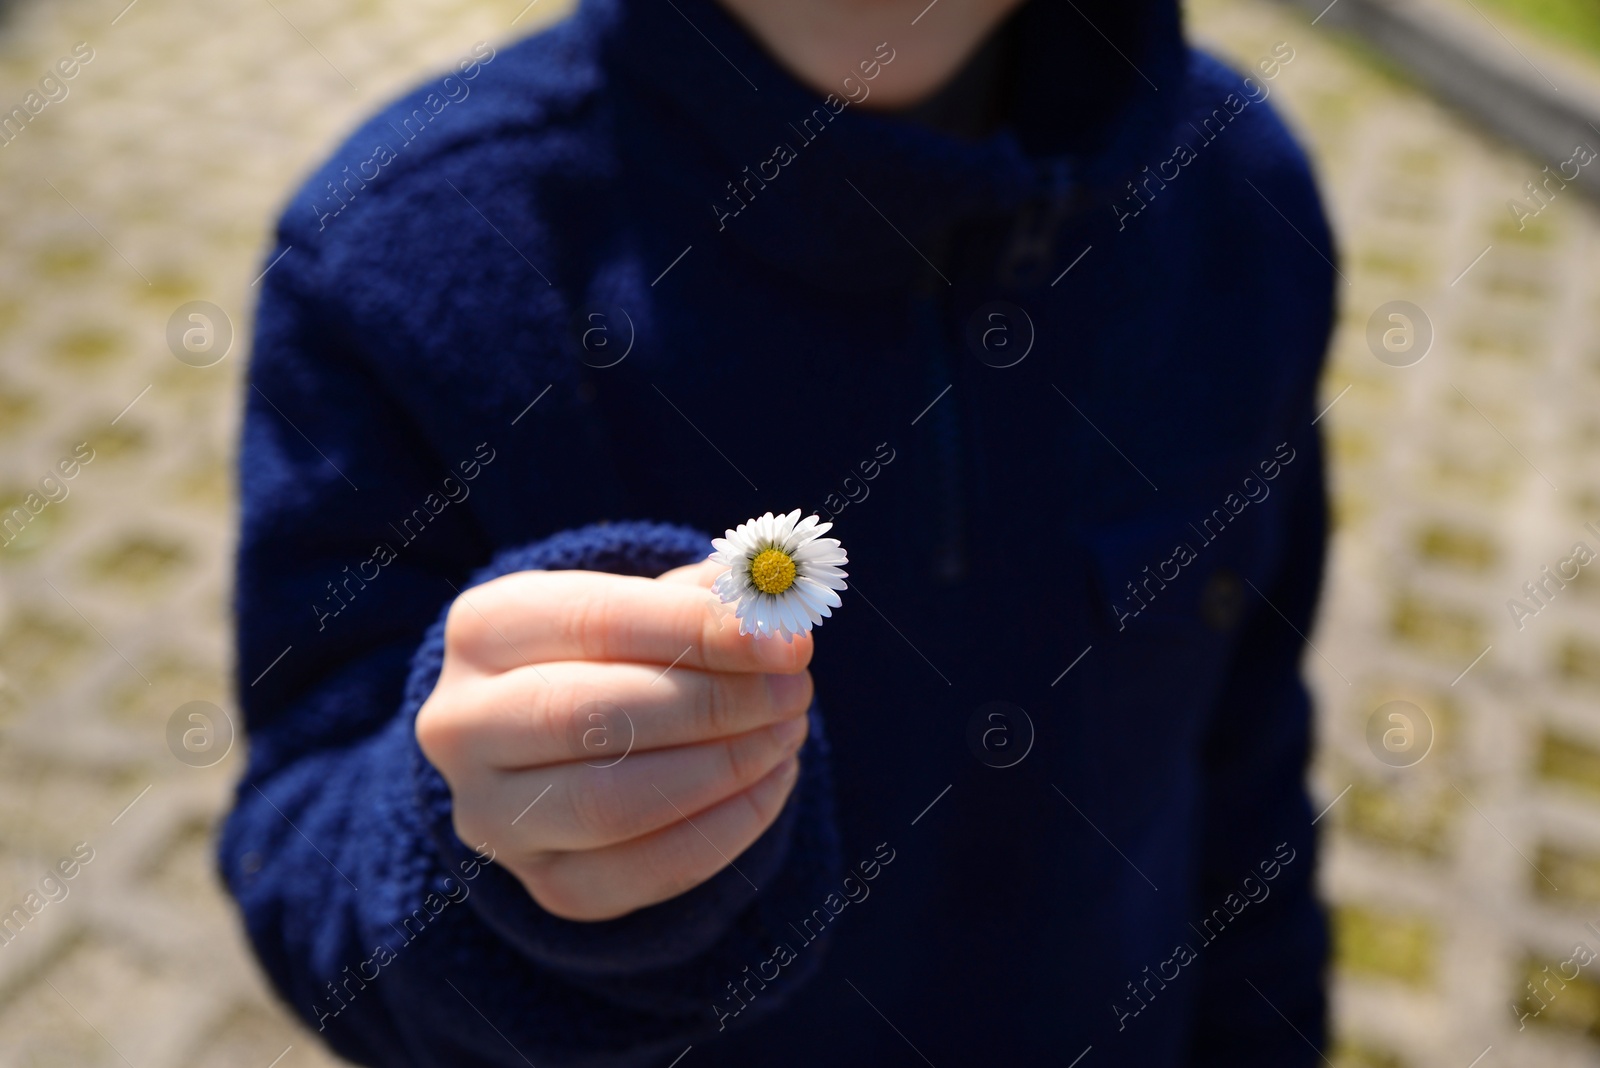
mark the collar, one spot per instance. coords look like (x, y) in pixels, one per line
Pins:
(855, 199)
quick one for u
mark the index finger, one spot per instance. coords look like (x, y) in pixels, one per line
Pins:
(702, 573)
(535, 616)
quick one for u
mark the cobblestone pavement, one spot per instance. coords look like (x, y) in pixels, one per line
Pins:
(151, 184)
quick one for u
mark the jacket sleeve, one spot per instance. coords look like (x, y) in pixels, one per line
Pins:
(1262, 999)
(398, 942)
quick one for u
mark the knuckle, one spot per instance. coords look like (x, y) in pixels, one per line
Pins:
(809, 694)
(598, 810)
(585, 624)
(438, 734)
(677, 867)
(554, 892)
(464, 626)
(805, 730)
(749, 756)
(762, 811)
(713, 618)
(457, 629)
(547, 715)
(791, 694)
(565, 886)
(720, 707)
(767, 802)
(467, 824)
(696, 616)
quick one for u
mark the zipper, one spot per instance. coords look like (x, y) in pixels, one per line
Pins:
(931, 301)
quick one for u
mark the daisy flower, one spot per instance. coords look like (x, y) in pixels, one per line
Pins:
(782, 574)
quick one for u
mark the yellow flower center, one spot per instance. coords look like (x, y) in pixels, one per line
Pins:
(772, 571)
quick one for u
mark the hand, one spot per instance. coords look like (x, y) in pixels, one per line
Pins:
(714, 739)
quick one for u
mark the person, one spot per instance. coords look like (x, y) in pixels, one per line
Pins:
(1029, 301)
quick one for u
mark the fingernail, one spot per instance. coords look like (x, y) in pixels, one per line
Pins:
(786, 691)
(789, 732)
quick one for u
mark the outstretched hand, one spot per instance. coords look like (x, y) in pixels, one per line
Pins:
(582, 720)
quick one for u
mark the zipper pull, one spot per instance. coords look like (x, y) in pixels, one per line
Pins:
(1031, 254)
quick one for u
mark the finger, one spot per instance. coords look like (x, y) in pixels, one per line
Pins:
(567, 807)
(606, 883)
(702, 573)
(579, 711)
(533, 617)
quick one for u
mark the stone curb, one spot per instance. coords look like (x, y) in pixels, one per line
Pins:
(1472, 67)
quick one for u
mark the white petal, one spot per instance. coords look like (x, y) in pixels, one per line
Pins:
(817, 594)
(802, 537)
(814, 604)
(784, 527)
(812, 610)
(823, 594)
(786, 614)
(764, 612)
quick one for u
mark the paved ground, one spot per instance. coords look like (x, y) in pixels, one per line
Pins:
(1457, 478)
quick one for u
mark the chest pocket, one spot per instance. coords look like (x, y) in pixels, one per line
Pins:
(1175, 585)
(1168, 602)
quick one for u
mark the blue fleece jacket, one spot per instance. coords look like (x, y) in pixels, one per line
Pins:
(597, 294)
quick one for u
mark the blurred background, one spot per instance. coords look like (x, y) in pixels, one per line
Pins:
(1463, 839)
